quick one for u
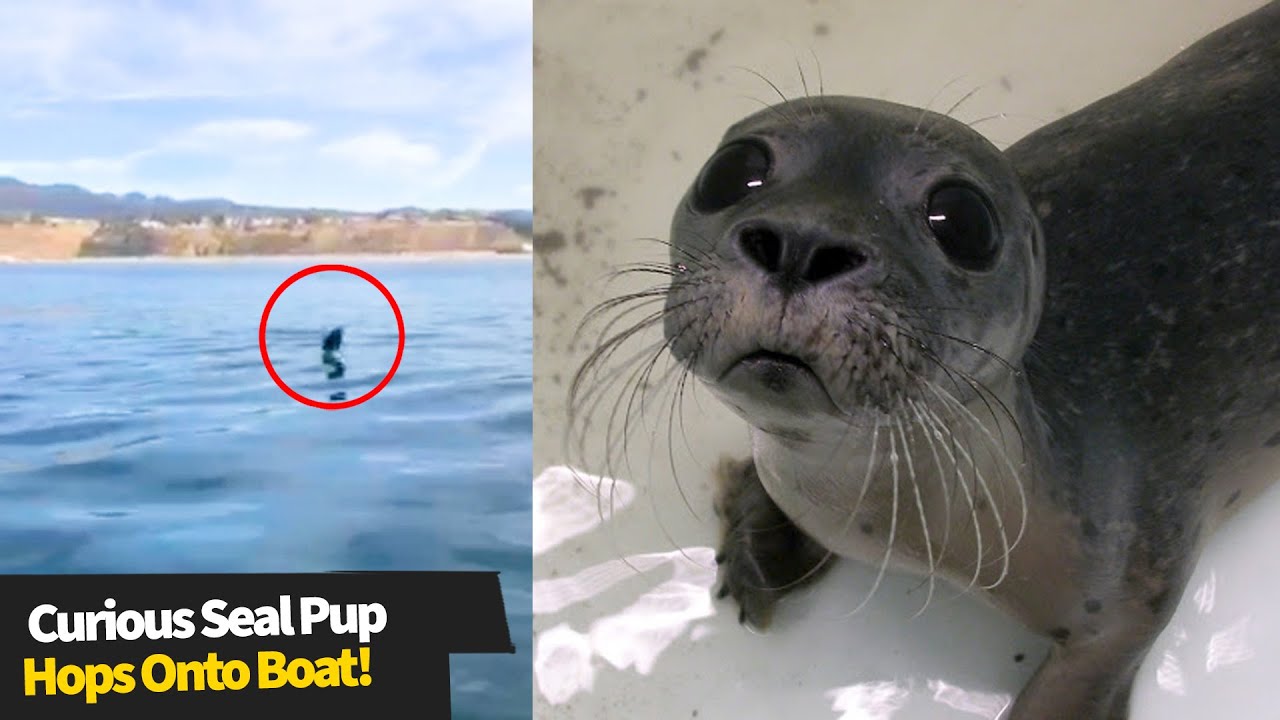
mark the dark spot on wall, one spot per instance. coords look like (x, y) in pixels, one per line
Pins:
(715, 36)
(589, 195)
(980, 504)
(675, 155)
(1089, 529)
(641, 94)
(1005, 83)
(1215, 435)
(1060, 635)
(693, 61)
(1232, 499)
(554, 273)
(555, 378)
(1159, 270)
(1019, 657)
(866, 528)
(821, 29)
(548, 242)
(1092, 606)
(1273, 441)
(580, 239)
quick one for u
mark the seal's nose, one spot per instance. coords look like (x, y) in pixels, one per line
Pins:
(795, 259)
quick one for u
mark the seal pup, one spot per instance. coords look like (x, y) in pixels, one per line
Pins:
(1043, 376)
(331, 358)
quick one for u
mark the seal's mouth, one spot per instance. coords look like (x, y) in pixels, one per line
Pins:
(777, 379)
(770, 366)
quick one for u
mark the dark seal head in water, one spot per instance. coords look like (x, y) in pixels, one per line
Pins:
(1044, 375)
(333, 341)
(331, 359)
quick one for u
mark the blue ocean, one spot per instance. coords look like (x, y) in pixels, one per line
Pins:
(141, 432)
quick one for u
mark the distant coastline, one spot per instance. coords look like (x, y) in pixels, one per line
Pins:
(67, 222)
(57, 239)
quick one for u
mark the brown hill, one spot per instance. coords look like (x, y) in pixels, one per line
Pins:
(62, 239)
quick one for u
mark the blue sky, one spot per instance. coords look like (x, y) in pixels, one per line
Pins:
(349, 104)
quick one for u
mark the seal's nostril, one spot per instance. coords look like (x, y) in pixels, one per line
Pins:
(763, 247)
(831, 261)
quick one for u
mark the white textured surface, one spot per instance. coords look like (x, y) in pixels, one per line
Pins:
(624, 621)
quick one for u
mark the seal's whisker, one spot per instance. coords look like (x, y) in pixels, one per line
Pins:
(1014, 476)
(649, 268)
(924, 521)
(617, 303)
(639, 386)
(965, 452)
(594, 366)
(676, 414)
(708, 261)
(617, 452)
(818, 64)
(852, 516)
(980, 390)
(676, 402)
(942, 478)
(927, 106)
(996, 116)
(1006, 548)
(893, 526)
(804, 83)
(785, 100)
(929, 355)
(969, 344)
(585, 396)
(772, 107)
(652, 496)
(624, 306)
(952, 448)
(952, 109)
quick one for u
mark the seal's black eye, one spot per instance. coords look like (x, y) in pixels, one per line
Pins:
(733, 172)
(962, 222)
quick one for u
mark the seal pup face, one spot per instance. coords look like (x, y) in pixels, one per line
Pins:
(840, 256)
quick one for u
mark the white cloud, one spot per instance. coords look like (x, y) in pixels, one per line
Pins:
(372, 54)
(384, 151)
(415, 95)
(101, 169)
(220, 133)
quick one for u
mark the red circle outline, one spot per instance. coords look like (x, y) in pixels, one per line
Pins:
(266, 313)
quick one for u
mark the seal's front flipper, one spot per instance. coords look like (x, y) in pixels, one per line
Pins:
(1090, 670)
(763, 555)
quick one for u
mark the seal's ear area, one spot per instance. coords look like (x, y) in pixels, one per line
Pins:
(962, 222)
(733, 172)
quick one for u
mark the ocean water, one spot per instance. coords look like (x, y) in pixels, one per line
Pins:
(141, 432)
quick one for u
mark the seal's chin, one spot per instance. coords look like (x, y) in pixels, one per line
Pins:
(771, 383)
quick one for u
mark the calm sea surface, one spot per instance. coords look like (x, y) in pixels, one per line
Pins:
(140, 431)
